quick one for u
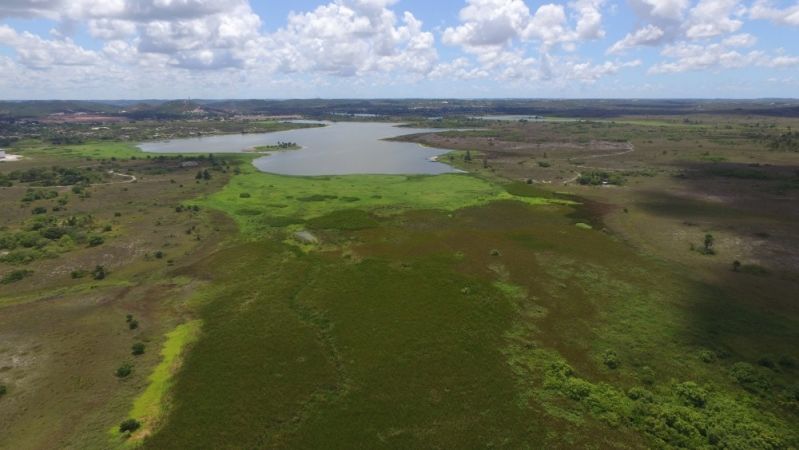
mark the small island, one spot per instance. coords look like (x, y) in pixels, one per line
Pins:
(279, 146)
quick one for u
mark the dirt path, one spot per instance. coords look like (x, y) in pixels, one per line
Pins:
(129, 179)
(630, 149)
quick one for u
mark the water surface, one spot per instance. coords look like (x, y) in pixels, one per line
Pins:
(340, 148)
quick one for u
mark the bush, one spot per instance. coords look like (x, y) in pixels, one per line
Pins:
(244, 195)
(15, 275)
(94, 241)
(133, 324)
(99, 273)
(78, 274)
(129, 426)
(611, 359)
(3, 390)
(137, 349)
(706, 356)
(692, 394)
(747, 376)
(124, 370)
(39, 210)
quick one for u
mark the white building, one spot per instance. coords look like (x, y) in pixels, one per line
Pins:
(2, 154)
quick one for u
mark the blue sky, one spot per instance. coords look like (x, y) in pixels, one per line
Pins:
(95, 49)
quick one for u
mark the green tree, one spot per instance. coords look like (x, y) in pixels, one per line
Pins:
(468, 157)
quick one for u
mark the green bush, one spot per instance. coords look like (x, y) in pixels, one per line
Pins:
(3, 390)
(124, 370)
(245, 195)
(611, 359)
(129, 426)
(99, 273)
(95, 240)
(137, 349)
(748, 376)
(691, 393)
(15, 275)
(706, 356)
(133, 324)
(76, 274)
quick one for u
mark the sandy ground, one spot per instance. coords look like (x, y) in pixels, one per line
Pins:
(10, 158)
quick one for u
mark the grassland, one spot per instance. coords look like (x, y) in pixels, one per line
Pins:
(461, 310)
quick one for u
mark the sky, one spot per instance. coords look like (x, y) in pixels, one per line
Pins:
(144, 49)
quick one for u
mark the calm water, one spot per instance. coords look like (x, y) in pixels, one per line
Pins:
(336, 149)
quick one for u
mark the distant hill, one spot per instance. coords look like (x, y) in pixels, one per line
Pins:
(319, 108)
(40, 108)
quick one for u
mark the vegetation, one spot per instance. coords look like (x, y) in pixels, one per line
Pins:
(124, 370)
(15, 275)
(453, 311)
(129, 426)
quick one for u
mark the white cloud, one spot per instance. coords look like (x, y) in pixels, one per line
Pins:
(352, 37)
(648, 35)
(764, 9)
(487, 25)
(37, 53)
(726, 54)
(711, 18)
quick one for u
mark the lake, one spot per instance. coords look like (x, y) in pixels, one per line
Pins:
(339, 148)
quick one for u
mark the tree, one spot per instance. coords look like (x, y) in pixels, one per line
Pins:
(468, 157)
(129, 426)
(709, 241)
(736, 266)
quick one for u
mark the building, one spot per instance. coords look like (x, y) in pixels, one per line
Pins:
(2, 154)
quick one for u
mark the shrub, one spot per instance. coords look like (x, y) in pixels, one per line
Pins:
(94, 241)
(244, 195)
(3, 390)
(124, 370)
(159, 254)
(692, 394)
(133, 324)
(137, 349)
(639, 393)
(15, 275)
(129, 426)
(706, 356)
(99, 273)
(128, 318)
(747, 376)
(611, 359)
(39, 210)
(78, 274)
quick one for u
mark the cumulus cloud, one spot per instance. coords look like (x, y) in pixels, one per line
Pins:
(764, 9)
(487, 25)
(711, 18)
(668, 21)
(648, 35)
(726, 54)
(352, 37)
